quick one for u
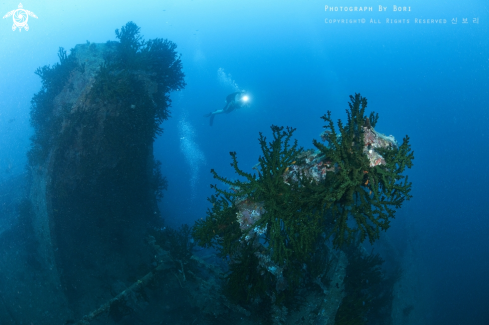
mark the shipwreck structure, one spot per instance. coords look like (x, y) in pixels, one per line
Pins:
(94, 181)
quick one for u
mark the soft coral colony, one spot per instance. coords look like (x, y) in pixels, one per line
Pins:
(272, 225)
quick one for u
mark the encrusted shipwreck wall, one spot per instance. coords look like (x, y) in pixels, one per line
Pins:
(95, 183)
(98, 204)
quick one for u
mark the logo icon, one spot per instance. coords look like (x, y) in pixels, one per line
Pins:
(20, 17)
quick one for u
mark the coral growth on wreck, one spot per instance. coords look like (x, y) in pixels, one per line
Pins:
(95, 120)
(271, 224)
(369, 183)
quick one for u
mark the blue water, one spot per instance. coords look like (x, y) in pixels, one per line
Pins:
(430, 81)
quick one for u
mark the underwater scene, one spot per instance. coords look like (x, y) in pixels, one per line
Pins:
(200, 162)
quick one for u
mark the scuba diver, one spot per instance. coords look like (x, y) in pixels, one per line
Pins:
(233, 101)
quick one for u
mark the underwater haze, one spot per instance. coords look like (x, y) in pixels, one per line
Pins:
(424, 70)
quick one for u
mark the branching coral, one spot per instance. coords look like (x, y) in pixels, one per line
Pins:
(124, 76)
(291, 226)
(264, 209)
(276, 219)
(220, 229)
(363, 190)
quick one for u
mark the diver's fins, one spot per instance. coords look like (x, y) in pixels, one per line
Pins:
(211, 116)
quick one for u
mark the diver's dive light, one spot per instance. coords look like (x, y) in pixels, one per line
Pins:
(245, 98)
